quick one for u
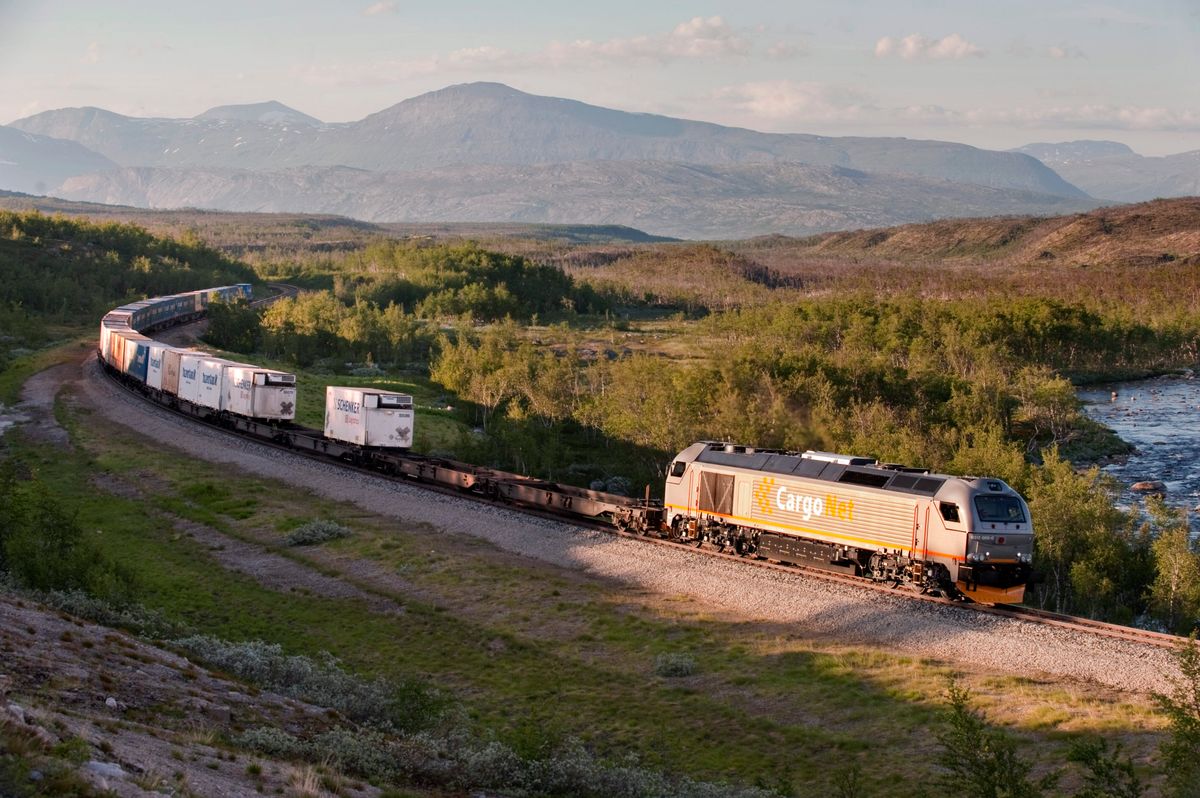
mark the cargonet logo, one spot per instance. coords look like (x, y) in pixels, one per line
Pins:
(763, 496)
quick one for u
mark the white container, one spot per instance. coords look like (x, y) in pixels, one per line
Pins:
(369, 417)
(114, 322)
(200, 379)
(155, 365)
(258, 392)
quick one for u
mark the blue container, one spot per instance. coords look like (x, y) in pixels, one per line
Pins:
(137, 366)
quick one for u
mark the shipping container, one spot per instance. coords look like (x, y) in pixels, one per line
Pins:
(170, 370)
(369, 417)
(116, 349)
(155, 365)
(137, 350)
(200, 379)
(258, 392)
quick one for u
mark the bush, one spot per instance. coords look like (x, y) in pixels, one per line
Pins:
(1181, 750)
(673, 666)
(133, 617)
(316, 532)
(981, 761)
(459, 762)
(380, 703)
(44, 548)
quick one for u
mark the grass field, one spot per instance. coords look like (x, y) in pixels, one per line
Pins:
(535, 654)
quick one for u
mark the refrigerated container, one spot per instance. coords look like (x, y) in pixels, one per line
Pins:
(369, 417)
(259, 392)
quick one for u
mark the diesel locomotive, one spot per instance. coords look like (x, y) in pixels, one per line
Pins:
(966, 537)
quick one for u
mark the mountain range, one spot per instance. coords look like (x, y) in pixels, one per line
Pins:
(1113, 171)
(487, 152)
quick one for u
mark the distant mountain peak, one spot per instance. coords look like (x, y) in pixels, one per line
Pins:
(271, 112)
(1073, 151)
(481, 87)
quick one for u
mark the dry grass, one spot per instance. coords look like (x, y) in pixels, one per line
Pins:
(305, 781)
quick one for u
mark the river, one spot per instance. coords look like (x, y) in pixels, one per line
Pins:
(1161, 417)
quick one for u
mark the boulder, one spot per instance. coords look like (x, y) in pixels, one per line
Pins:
(1149, 486)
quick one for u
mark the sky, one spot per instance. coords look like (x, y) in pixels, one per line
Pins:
(995, 74)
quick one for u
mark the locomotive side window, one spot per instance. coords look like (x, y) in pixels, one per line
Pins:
(677, 468)
(949, 511)
(1004, 509)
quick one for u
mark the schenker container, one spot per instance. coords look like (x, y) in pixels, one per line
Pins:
(369, 417)
(258, 392)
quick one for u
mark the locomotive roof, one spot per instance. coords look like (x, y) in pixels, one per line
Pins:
(826, 466)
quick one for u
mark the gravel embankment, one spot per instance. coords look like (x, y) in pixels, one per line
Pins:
(731, 591)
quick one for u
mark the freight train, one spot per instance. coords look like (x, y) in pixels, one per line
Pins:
(962, 537)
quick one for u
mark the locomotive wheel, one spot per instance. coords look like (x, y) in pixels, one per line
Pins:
(675, 531)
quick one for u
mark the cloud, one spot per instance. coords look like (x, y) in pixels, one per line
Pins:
(697, 38)
(781, 51)
(777, 100)
(1061, 51)
(1080, 117)
(382, 7)
(1099, 117)
(916, 47)
(790, 105)
(91, 55)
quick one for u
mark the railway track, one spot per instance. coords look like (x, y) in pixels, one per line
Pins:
(1013, 612)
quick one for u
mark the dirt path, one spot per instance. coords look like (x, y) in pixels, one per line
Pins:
(37, 404)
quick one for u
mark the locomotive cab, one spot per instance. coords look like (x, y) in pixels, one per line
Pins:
(997, 539)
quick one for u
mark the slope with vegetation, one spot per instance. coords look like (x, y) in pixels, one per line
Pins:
(596, 373)
(61, 275)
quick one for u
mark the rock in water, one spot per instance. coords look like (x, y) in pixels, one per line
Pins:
(1149, 486)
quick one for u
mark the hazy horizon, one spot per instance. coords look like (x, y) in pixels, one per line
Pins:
(995, 76)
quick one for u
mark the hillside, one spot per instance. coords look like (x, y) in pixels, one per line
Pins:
(64, 268)
(1163, 231)
(667, 199)
(239, 233)
(34, 163)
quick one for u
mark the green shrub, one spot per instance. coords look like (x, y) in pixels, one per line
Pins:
(321, 681)
(316, 532)
(674, 666)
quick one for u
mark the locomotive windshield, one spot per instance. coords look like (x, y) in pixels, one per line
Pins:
(999, 508)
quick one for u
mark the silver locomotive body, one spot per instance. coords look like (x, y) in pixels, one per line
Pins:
(958, 535)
